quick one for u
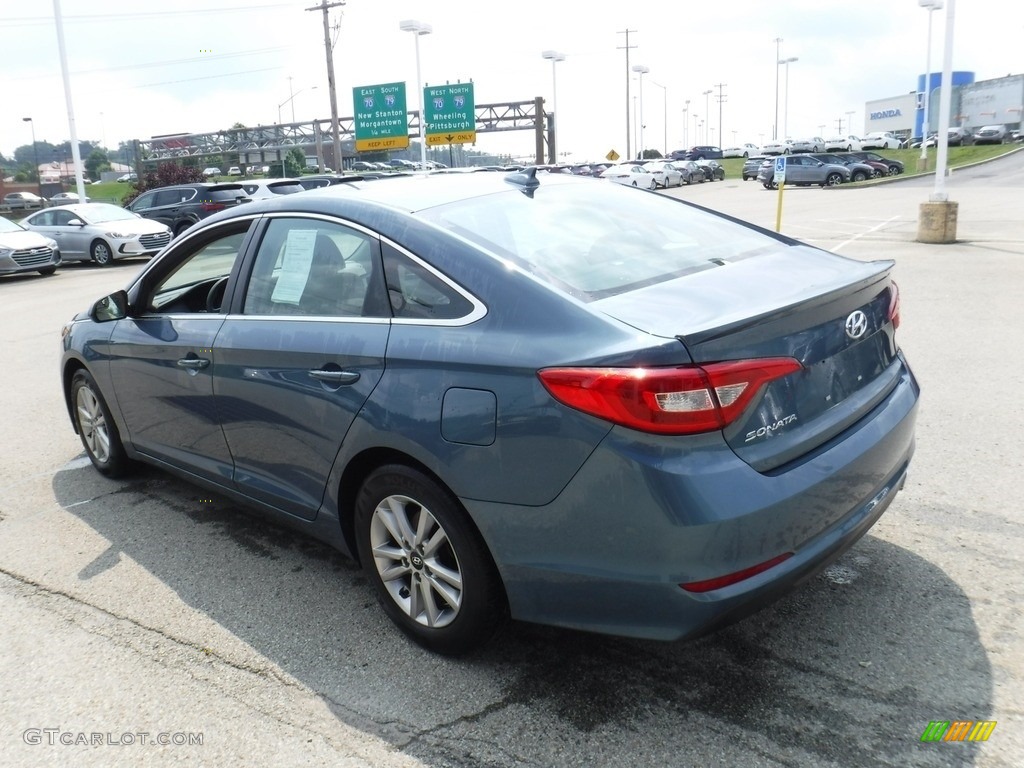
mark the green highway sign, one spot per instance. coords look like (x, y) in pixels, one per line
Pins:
(381, 120)
(450, 114)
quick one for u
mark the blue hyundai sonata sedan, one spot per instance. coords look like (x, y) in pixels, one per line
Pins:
(514, 395)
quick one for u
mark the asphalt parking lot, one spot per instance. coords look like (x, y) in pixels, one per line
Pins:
(144, 610)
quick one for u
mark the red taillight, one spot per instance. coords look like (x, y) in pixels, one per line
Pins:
(209, 207)
(668, 401)
(894, 305)
(732, 578)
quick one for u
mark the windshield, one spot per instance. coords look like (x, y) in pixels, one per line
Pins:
(599, 240)
(102, 213)
(6, 225)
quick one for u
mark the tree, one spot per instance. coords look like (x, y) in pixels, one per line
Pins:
(294, 162)
(96, 163)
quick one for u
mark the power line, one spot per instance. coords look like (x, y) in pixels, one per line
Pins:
(168, 62)
(24, 21)
(206, 77)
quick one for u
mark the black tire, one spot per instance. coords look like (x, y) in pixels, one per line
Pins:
(97, 429)
(833, 180)
(894, 170)
(181, 228)
(858, 176)
(100, 253)
(450, 598)
(47, 271)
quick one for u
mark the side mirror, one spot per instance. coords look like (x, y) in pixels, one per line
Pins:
(76, 223)
(112, 307)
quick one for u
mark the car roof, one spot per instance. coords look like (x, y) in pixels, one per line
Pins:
(411, 193)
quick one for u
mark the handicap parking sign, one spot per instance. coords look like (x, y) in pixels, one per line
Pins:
(780, 169)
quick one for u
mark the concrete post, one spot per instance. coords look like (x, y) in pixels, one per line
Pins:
(936, 222)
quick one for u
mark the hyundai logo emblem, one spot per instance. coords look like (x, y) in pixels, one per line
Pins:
(856, 324)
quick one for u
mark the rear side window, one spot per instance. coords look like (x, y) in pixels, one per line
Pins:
(224, 195)
(416, 293)
(172, 196)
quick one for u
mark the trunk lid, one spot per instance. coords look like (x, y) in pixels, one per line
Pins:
(796, 302)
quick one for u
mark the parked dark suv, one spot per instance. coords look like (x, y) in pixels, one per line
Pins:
(702, 152)
(181, 206)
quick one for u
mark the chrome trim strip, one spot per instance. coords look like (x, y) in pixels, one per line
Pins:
(310, 318)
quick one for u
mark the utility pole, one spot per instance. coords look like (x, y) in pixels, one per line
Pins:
(335, 127)
(627, 46)
(721, 98)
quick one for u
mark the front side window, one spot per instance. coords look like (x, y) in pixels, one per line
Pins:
(312, 267)
(196, 283)
(143, 202)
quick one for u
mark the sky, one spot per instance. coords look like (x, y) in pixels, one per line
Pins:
(201, 65)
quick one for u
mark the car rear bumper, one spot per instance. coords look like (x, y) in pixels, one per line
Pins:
(643, 516)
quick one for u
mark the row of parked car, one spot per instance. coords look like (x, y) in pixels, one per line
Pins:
(659, 173)
(103, 232)
(822, 168)
(989, 134)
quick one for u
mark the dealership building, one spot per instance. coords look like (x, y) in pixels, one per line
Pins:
(974, 104)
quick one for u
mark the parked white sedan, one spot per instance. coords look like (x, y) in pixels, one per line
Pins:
(665, 174)
(99, 232)
(631, 175)
(880, 140)
(778, 147)
(843, 144)
(813, 144)
(743, 150)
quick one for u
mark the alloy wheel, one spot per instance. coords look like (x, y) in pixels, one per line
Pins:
(416, 561)
(93, 424)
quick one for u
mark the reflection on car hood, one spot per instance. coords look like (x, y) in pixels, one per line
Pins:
(20, 240)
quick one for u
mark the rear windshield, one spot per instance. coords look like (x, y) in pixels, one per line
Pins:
(599, 239)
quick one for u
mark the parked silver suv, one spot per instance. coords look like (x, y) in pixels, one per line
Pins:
(804, 170)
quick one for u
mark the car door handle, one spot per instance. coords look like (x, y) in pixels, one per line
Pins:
(336, 377)
(193, 363)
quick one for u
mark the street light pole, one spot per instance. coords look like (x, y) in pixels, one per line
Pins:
(930, 5)
(707, 112)
(686, 125)
(292, 100)
(418, 28)
(664, 112)
(35, 153)
(785, 114)
(554, 57)
(641, 70)
(778, 55)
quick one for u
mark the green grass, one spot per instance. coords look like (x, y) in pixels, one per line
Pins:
(107, 191)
